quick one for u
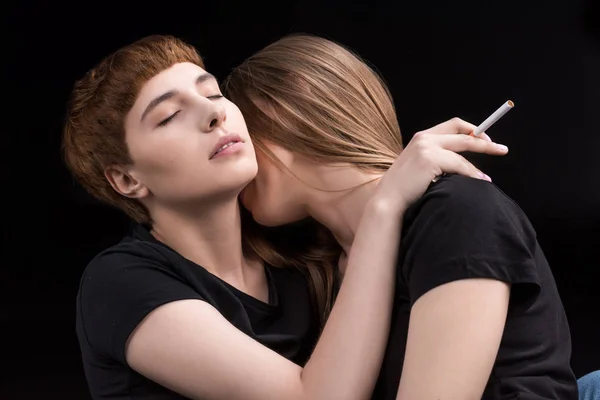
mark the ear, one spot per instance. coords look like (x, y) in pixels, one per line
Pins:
(125, 183)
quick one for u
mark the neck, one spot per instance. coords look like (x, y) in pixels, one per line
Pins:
(211, 238)
(339, 205)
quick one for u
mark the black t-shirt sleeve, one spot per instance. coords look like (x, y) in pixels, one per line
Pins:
(466, 228)
(118, 290)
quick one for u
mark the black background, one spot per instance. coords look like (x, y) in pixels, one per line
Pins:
(441, 59)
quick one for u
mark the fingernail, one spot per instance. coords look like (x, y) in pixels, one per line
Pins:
(502, 147)
(487, 178)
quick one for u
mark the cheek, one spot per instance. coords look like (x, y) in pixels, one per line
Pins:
(260, 196)
(256, 195)
(258, 203)
(235, 120)
(168, 160)
(268, 180)
(148, 161)
(270, 199)
(248, 196)
(175, 166)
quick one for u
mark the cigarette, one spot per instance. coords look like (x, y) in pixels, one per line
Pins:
(491, 120)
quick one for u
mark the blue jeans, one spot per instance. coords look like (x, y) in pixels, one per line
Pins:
(589, 386)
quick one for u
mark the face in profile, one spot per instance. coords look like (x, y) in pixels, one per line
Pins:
(188, 143)
(275, 197)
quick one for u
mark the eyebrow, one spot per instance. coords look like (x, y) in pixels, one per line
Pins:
(171, 93)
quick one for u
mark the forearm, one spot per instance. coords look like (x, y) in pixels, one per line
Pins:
(347, 358)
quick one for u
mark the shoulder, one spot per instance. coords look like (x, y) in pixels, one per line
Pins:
(120, 287)
(130, 268)
(124, 253)
(457, 200)
(466, 228)
(130, 255)
(460, 192)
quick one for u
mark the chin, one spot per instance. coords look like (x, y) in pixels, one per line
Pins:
(272, 220)
(269, 223)
(259, 217)
(245, 172)
(250, 167)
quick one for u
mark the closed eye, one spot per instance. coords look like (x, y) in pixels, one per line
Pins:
(165, 121)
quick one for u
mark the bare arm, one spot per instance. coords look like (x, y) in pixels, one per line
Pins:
(453, 339)
(189, 347)
(357, 329)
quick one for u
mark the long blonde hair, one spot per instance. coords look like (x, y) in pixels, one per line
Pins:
(316, 98)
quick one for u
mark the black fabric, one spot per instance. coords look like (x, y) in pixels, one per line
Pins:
(123, 284)
(466, 228)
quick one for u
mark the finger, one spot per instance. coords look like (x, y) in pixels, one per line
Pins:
(460, 143)
(452, 163)
(484, 136)
(454, 125)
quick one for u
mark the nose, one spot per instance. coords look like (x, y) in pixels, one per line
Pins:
(214, 118)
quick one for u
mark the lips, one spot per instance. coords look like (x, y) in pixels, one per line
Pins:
(224, 142)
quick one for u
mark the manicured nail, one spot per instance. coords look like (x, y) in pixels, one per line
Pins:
(484, 177)
(502, 147)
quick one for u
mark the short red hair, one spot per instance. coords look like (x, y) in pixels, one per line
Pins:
(94, 130)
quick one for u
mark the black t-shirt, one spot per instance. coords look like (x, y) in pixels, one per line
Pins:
(466, 228)
(123, 284)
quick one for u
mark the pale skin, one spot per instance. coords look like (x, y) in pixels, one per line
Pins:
(454, 329)
(193, 201)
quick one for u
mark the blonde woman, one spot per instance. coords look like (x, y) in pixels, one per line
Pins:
(476, 312)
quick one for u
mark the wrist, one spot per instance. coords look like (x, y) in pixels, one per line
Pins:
(381, 207)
